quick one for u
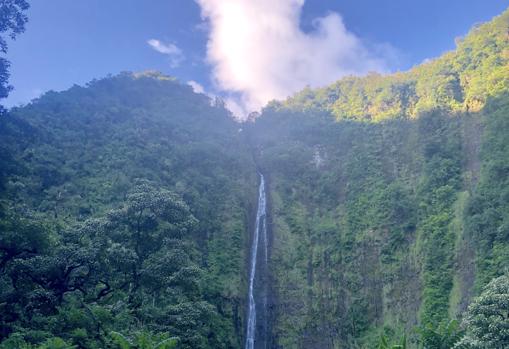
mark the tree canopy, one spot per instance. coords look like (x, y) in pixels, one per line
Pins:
(12, 23)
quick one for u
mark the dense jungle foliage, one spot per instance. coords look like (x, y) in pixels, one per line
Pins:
(389, 197)
(118, 218)
(461, 80)
(126, 208)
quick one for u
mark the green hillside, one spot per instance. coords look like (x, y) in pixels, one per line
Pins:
(459, 81)
(127, 208)
(124, 146)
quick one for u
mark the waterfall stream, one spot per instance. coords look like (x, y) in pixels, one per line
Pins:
(260, 233)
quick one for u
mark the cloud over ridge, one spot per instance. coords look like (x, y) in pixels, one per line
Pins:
(258, 52)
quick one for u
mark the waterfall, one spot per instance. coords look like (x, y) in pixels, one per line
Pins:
(260, 231)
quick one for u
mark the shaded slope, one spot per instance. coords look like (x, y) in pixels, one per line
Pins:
(78, 153)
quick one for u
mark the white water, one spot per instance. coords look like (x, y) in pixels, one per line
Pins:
(260, 229)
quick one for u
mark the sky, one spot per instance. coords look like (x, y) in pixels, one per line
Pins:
(246, 51)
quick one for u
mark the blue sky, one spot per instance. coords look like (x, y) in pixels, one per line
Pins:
(73, 41)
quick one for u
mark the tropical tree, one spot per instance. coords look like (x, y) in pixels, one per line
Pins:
(144, 340)
(445, 336)
(487, 318)
(17, 342)
(12, 23)
(385, 343)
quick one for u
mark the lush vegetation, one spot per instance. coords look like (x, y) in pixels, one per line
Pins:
(486, 320)
(389, 197)
(461, 80)
(126, 207)
(12, 23)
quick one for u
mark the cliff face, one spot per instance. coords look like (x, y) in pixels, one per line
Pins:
(367, 224)
(385, 208)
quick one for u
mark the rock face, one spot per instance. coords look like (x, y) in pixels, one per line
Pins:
(359, 240)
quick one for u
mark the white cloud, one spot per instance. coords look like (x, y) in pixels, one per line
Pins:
(171, 50)
(197, 87)
(258, 51)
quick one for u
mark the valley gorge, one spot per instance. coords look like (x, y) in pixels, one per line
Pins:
(367, 209)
